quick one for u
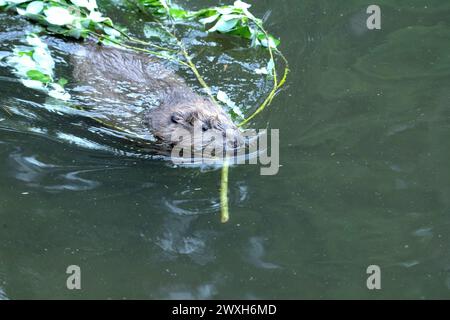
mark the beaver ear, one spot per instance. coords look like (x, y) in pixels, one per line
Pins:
(186, 117)
(177, 117)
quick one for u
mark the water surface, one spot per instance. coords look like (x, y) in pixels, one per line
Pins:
(365, 179)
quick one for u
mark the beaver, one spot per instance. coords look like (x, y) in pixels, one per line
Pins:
(129, 85)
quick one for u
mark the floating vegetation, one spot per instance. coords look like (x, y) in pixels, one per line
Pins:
(233, 19)
(81, 19)
(74, 18)
(34, 65)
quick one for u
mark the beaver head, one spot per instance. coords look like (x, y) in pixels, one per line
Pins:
(194, 123)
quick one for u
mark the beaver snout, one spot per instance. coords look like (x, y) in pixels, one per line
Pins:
(227, 139)
(233, 140)
(198, 124)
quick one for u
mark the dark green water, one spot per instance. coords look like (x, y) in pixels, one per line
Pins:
(365, 177)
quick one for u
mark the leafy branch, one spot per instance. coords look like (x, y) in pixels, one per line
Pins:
(34, 65)
(233, 19)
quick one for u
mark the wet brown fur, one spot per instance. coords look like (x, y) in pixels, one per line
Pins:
(179, 108)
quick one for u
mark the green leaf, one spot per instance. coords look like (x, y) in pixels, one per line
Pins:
(58, 92)
(202, 13)
(56, 29)
(38, 76)
(225, 10)
(224, 25)
(209, 19)
(62, 82)
(44, 60)
(59, 16)
(111, 32)
(16, 2)
(177, 13)
(91, 5)
(35, 7)
(35, 41)
(241, 5)
(96, 16)
(74, 33)
(87, 23)
(266, 42)
(25, 53)
(243, 32)
(33, 84)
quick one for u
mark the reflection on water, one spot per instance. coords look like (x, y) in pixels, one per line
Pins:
(178, 239)
(203, 291)
(256, 254)
(3, 295)
(36, 174)
(364, 127)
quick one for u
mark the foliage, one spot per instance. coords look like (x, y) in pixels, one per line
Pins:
(233, 19)
(73, 18)
(35, 66)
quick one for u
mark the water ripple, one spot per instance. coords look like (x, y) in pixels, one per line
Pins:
(3, 295)
(35, 173)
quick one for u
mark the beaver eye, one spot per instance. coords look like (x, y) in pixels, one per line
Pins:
(205, 127)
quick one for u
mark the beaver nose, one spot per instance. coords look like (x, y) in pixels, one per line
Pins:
(233, 144)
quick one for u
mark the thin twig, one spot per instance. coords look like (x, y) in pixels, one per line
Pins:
(155, 53)
(190, 63)
(224, 212)
(269, 98)
(276, 85)
(139, 41)
(6, 110)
